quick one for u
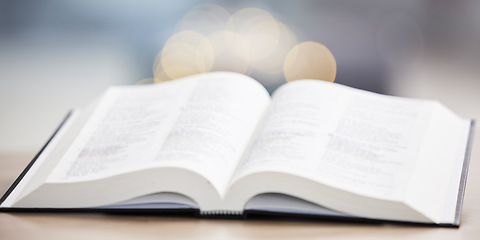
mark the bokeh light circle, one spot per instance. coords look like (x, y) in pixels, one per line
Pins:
(185, 53)
(310, 60)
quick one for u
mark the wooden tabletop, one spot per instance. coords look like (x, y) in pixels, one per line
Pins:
(101, 226)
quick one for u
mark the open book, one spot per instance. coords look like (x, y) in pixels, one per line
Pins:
(219, 144)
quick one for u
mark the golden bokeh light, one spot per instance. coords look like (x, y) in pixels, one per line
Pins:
(250, 41)
(259, 29)
(185, 53)
(205, 19)
(273, 63)
(310, 60)
(230, 52)
(146, 81)
(160, 76)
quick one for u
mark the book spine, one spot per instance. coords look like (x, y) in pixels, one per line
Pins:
(222, 213)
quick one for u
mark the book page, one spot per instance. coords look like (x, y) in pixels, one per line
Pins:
(350, 139)
(435, 181)
(202, 123)
(215, 126)
(121, 134)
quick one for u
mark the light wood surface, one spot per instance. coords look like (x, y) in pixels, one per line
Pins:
(101, 226)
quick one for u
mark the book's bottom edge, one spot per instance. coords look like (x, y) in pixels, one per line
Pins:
(247, 215)
(268, 215)
(132, 211)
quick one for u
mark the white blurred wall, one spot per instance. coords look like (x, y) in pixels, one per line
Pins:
(41, 82)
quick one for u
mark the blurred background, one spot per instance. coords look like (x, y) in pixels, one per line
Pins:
(57, 55)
